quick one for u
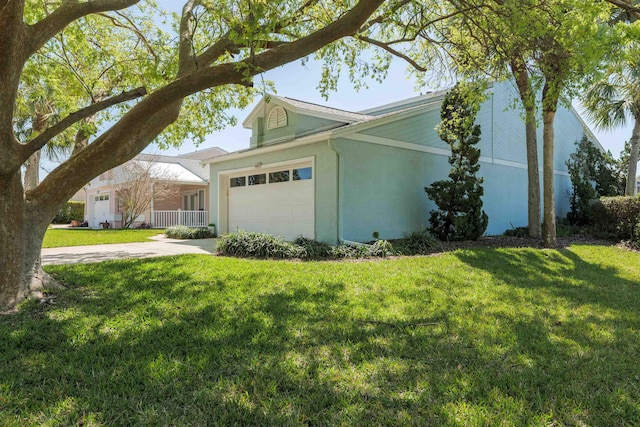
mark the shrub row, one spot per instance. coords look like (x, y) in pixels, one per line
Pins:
(616, 217)
(184, 232)
(70, 211)
(259, 245)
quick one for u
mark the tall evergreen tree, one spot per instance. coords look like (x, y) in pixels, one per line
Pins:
(593, 175)
(459, 199)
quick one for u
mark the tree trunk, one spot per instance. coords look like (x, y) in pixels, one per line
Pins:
(21, 234)
(32, 171)
(549, 226)
(527, 97)
(631, 189)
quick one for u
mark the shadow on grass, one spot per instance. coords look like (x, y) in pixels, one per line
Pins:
(152, 342)
(574, 326)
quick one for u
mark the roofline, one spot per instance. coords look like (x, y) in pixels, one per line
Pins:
(282, 101)
(297, 142)
(341, 132)
(585, 126)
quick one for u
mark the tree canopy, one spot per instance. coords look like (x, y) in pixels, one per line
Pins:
(109, 58)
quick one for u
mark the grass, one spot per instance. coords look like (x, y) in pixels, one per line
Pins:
(482, 337)
(60, 237)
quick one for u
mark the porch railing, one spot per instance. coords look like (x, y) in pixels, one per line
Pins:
(164, 219)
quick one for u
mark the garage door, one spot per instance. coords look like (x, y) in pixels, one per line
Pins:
(276, 201)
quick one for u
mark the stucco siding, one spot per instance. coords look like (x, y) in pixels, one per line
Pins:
(307, 123)
(383, 190)
(325, 179)
(568, 130)
(417, 129)
(509, 138)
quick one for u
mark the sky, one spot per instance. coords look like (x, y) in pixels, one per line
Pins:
(300, 82)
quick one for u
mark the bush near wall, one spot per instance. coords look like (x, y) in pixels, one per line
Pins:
(260, 245)
(70, 211)
(184, 232)
(616, 217)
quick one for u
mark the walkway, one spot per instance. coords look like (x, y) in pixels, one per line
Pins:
(160, 247)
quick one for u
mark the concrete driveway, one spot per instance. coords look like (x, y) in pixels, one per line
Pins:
(161, 246)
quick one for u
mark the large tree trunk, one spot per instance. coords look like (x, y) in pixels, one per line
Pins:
(527, 97)
(21, 234)
(549, 226)
(631, 189)
(32, 171)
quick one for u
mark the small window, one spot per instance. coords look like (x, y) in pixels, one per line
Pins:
(277, 118)
(282, 176)
(258, 179)
(302, 173)
(240, 181)
(97, 198)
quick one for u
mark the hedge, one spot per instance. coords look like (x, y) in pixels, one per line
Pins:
(615, 216)
(70, 211)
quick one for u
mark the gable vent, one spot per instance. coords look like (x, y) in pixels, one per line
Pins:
(277, 118)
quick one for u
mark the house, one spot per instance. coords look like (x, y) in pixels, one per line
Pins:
(335, 175)
(186, 204)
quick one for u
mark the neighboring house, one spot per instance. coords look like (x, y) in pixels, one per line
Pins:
(187, 205)
(336, 175)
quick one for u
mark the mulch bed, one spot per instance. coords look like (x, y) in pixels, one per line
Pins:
(523, 242)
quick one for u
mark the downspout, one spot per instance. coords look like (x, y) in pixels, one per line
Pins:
(333, 146)
(339, 175)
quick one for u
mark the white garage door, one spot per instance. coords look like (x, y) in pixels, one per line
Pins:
(277, 201)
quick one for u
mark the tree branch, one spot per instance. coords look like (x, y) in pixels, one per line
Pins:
(41, 140)
(159, 109)
(131, 27)
(623, 4)
(393, 52)
(69, 11)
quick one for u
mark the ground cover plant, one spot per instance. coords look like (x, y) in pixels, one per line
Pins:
(184, 232)
(473, 337)
(246, 244)
(60, 237)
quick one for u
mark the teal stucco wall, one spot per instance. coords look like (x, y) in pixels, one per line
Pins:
(382, 187)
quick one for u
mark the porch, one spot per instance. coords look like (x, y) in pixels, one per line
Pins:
(190, 218)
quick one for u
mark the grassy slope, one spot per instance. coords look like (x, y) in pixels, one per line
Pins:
(59, 237)
(477, 337)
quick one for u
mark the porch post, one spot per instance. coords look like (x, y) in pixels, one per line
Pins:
(152, 220)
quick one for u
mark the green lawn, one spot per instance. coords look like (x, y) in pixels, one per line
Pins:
(483, 337)
(59, 237)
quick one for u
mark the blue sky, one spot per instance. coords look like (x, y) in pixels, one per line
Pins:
(300, 82)
(297, 81)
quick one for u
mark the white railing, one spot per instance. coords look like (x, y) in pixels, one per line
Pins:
(164, 219)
